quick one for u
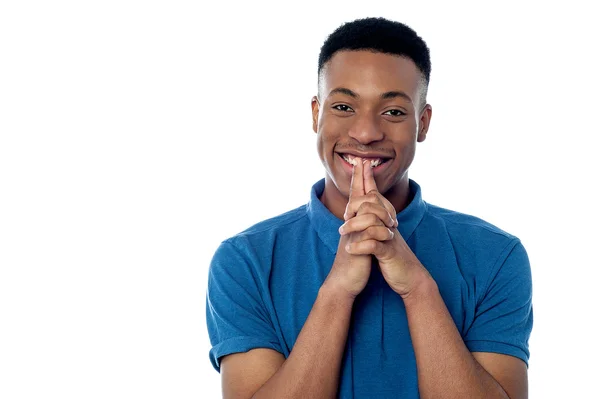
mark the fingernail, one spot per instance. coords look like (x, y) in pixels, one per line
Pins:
(347, 247)
(341, 229)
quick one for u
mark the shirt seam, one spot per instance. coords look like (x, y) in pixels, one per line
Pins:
(253, 231)
(495, 229)
(500, 260)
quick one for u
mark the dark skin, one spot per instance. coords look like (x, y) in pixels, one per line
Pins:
(374, 107)
(369, 104)
(367, 122)
(363, 117)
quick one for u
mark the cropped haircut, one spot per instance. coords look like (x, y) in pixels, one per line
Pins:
(379, 35)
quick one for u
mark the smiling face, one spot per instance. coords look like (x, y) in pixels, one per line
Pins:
(369, 105)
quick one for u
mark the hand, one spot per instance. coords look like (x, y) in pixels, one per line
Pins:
(350, 272)
(368, 222)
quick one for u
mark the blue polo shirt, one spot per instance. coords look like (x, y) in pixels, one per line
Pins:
(263, 282)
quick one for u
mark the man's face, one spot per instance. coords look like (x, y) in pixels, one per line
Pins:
(369, 105)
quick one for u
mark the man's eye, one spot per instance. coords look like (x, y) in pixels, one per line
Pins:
(343, 107)
(394, 112)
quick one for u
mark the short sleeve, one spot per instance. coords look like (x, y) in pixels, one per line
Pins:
(236, 317)
(504, 316)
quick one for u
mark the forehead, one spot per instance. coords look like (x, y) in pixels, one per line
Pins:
(369, 71)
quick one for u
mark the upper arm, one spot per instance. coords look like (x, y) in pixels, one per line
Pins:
(242, 374)
(237, 316)
(510, 372)
(503, 317)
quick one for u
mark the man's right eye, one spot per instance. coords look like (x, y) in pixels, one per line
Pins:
(343, 108)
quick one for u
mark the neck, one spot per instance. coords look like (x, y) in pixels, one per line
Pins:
(335, 201)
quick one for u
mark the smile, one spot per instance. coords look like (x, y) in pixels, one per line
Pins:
(376, 163)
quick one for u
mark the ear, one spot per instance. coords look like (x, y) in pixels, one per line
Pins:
(315, 112)
(424, 121)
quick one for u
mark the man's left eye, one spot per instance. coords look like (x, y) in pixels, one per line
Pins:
(394, 112)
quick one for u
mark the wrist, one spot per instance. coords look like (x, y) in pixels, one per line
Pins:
(332, 293)
(423, 287)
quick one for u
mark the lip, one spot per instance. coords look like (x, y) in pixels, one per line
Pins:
(365, 155)
(348, 168)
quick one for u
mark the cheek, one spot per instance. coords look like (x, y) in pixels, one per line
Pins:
(407, 155)
(320, 146)
(325, 147)
(328, 136)
(405, 143)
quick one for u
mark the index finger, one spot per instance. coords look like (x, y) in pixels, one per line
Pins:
(357, 188)
(369, 184)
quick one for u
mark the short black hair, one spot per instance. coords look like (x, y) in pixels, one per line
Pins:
(378, 35)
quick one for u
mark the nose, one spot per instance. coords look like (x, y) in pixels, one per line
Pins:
(365, 128)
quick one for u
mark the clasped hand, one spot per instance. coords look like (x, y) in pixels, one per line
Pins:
(370, 228)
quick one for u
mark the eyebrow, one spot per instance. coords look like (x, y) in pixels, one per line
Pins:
(385, 96)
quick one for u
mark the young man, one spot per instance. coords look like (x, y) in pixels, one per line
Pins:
(368, 291)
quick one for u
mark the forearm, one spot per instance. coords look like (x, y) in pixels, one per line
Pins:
(313, 367)
(446, 368)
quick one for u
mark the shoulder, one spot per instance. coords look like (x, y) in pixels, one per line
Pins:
(278, 224)
(487, 256)
(467, 226)
(261, 236)
(249, 252)
(474, 241)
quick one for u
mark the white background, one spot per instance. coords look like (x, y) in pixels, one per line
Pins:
(135, 136)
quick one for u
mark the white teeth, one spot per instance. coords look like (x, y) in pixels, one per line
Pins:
(374, 162)
(350, 161)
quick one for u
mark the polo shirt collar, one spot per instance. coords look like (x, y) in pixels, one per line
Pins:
(326, 224)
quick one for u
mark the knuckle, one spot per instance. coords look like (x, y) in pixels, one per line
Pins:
(349, 208)
(364, 207)
(349, 225)
(374, 219)
(376, 233)
(372, 231)
(371, 245)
